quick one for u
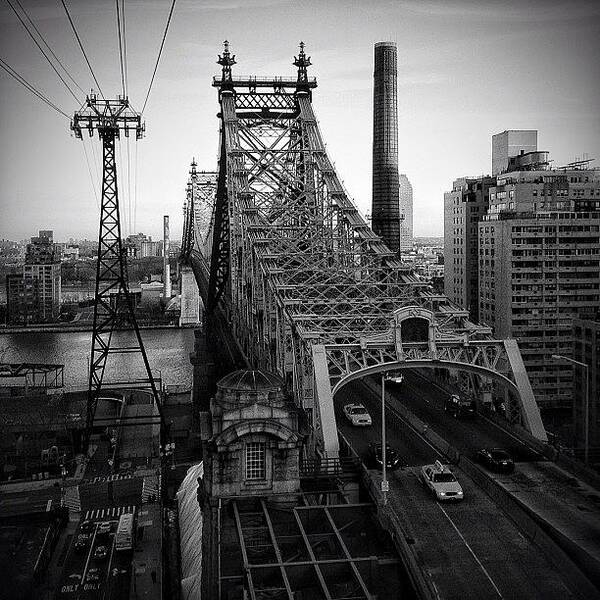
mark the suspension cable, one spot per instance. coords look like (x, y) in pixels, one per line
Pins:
(124, 45)
(31, 88)
(87, 160)
(81, 47)
(120, 36)
(42, 50)
(50, 48)
(159, 54)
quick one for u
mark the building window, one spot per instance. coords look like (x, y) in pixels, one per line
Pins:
(255, 461)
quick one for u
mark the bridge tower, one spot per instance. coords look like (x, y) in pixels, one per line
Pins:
(299, 282)
(113, 304)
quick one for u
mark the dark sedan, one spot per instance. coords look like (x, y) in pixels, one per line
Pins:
(496, 459)
(375, 459)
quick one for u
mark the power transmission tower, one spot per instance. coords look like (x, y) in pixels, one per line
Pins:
(113, 304)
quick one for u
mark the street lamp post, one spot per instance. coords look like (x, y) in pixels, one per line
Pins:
(384, 481)
(586, 416)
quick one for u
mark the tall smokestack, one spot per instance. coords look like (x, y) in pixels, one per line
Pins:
(166, 265)
(385, 210)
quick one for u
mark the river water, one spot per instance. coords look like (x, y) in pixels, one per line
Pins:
(168, 351)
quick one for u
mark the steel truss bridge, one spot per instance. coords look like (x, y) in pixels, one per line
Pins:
(282, 255)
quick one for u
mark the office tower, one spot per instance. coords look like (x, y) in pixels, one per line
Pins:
(464, 206)
(539, 265)
(385, 210)
(511, 143)
(406, 213)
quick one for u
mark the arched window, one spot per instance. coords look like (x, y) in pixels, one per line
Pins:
(415, 329)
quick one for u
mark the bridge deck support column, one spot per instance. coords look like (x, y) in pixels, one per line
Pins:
(323, 399)
(530, 412)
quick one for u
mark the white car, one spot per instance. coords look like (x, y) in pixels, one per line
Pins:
(396, 378)
(357, 414)
(441, 482)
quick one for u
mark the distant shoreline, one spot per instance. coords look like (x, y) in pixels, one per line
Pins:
(74, 328)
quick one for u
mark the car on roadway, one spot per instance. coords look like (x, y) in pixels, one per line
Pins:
(441, 482)
(80, 545)
(87, 526)
(460, 407)
(358, 415)
(395, 378)
(495, 459)
(375, 457)
(100, 553)
(103, 529)
(92, 575)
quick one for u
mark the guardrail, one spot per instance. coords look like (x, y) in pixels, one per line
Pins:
(400, 532)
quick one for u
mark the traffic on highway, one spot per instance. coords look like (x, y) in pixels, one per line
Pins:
(465, 545)
(98, 563)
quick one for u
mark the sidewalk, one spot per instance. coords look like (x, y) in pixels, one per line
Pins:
(146, 572)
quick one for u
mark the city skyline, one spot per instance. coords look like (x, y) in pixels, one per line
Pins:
(461, 78)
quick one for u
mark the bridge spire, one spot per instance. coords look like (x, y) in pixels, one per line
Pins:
(302, 61)
(226, 60)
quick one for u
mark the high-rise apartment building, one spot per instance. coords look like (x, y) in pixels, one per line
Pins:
(406, 213)
(464, 206)
(510, 143)
(34, 295)
(43, 265)
(539, 265)
(150, 248)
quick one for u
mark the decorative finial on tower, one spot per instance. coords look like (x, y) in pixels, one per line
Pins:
(226, 61)
(193, 165)
(302, 62)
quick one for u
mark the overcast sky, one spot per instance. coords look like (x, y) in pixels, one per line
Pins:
(466, 70)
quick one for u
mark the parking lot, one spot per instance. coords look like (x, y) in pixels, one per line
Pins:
(93, 568)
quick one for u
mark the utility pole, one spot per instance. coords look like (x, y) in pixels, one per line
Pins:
(586, 413)
(113, 304)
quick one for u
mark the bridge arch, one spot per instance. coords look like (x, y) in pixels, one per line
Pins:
(402, 365)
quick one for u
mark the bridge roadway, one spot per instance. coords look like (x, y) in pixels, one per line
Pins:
(470, 549)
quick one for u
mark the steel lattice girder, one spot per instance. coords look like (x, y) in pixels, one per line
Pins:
(301, 268)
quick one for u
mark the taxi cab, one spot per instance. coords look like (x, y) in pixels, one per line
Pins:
(441, 482)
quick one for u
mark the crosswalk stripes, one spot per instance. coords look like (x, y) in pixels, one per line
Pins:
(151, 488)
(109, 512)
(72, 499)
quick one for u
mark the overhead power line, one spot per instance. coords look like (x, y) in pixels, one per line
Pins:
(81, 47)
(30, 87)
(159, 54)
(28, 30)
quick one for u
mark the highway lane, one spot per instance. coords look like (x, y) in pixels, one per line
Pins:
(568, 504)
(426, 400)
(88, 576)
(471, 549)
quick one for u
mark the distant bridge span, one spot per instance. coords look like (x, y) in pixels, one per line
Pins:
(283, 256)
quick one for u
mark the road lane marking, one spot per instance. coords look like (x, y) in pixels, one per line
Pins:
(470, 550)
(89, 556)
